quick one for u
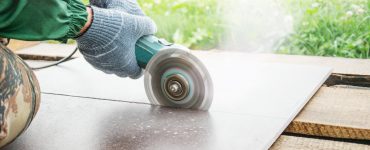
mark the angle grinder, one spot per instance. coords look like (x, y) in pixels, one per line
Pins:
(173, 76)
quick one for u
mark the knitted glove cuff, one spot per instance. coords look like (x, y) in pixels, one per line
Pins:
(103, 29)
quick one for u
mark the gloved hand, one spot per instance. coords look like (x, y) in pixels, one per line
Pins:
(109, 43)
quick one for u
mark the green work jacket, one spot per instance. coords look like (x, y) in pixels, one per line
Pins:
(37, 20)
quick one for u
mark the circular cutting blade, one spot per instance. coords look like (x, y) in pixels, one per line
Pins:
(176, 78)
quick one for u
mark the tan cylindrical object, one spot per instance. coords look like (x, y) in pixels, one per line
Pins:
(19, 96)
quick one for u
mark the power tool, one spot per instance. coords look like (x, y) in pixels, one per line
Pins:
(173, 76)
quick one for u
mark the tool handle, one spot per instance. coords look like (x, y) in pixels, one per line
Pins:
(146, 47)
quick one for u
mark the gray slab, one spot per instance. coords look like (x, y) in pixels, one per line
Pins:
(65, 122)
(242, 87)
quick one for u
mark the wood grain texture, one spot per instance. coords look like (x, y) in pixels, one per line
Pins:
(335, 112)
(293, 143)
(343, 79)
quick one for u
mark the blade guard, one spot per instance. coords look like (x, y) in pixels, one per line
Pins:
(167, 64)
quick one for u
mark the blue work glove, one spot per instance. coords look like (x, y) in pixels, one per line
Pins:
(109, 43)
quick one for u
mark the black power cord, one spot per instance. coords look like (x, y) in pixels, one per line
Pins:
(58, 62)
(7, 41)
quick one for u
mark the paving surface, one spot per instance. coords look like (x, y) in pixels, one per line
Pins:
(65, 122)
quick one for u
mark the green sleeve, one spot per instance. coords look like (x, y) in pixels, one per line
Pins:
(37, 20)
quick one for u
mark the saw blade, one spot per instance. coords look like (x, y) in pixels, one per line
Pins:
(176, 78)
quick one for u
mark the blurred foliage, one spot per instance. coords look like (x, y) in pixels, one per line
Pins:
(339, 28)
(193, 23)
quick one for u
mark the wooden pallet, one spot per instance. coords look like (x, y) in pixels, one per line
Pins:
(339, 111)
(337, 117)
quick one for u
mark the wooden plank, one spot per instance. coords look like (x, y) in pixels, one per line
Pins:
(335, 112)
(16, 45)
(293, 143)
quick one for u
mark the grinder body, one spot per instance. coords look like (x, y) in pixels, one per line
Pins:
(173, 76)
(147, 46)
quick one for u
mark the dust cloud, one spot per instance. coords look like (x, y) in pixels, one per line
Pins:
(255, 25)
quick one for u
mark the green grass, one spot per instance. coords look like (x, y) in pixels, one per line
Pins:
(339, 28)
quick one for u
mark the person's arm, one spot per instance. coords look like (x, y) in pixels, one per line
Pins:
(105, 35)
(42, 19)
